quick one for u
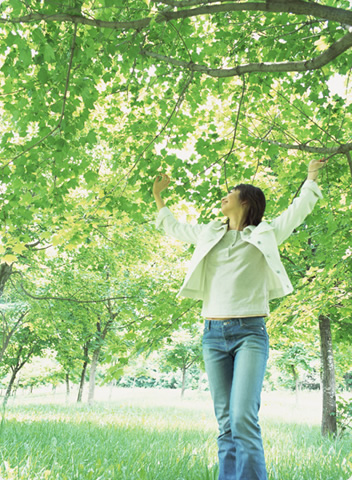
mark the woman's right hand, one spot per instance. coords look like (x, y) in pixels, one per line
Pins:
(161, 183)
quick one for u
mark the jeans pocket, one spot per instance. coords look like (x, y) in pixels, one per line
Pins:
(254, 325)
(206, 326)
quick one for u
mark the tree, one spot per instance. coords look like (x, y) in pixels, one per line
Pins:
(294, 356)
(13, 317)
(183, 351)
(26, 345)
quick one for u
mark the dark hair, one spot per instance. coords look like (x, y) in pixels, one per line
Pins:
(255, 199)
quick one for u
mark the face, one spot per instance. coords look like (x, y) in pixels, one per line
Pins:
(231, 204)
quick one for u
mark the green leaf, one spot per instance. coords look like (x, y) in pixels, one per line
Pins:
(49, 53)
(25, 55)
(91, 177)
(43, 75)
(17, 7)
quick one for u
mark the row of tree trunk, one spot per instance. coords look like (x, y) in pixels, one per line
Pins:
(329, 424)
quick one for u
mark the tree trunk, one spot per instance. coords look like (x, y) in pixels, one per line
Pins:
(5, 272)
(93, 369)
(6, 341)
(9, 387)
(81, 383)
(295, 378)
(67, 381)
(184, 371)
(7, 335)
(328, 425)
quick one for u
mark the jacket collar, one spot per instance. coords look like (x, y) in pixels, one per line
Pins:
(262, 227)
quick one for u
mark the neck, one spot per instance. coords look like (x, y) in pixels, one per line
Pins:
(236, 223)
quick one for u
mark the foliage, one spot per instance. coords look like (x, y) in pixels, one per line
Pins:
(183, 349)
(41, 371)
(344, 415)
(91, 112)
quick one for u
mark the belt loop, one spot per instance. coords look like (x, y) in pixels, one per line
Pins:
(240, 321)
(209, 324)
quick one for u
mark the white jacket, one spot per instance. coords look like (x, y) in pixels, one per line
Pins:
(266, 237)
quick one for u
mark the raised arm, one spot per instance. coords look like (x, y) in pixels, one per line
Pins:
(161, 183)
(302, 206)
(166, 222)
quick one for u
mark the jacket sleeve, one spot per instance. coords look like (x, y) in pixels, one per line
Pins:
(296, 213)
(185, 232)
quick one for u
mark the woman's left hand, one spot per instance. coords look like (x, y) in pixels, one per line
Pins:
(314, 167)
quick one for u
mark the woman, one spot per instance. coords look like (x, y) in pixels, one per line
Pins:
(236, 270)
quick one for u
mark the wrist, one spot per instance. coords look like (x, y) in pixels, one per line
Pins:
(159, 201)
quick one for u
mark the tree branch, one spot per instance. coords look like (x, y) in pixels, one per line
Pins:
(301, 111)
(174, 320)
(315, 63)
(304, 147)
(349, 160)
(274, 6)
(69, 299)
(65, 299)
(79, 19)
(235, 130)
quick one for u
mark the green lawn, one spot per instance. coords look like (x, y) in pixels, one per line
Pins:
(154, 435)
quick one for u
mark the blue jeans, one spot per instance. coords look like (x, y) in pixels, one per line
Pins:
(235, 354)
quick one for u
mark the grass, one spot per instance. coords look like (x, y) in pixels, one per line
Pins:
(153, 435)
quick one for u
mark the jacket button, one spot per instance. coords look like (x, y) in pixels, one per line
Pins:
(259, 242)
(278, 271)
